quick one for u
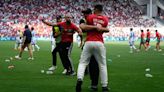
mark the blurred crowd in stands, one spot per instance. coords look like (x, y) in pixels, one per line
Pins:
(161, 11)
(14, 14)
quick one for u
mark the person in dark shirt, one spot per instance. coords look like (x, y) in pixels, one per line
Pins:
(27, 36)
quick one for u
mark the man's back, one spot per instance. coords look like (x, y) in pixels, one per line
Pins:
(28, 35)
(132, 36)
(100, 21)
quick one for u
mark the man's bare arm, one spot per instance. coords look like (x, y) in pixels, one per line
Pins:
(87, 27)
(103, 29)
(91, 27)
(48, 23)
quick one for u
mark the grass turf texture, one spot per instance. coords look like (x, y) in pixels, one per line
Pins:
(126, 73)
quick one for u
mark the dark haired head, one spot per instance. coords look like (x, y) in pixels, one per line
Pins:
(156, 30)
(141, 30)
(147, 29)
(26, 26)
(98, 7)
(58, 17)
(87, 11)
(32, 28)
(131, 29)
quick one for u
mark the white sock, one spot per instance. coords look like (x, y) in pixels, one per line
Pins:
(134, 47)
(37, 46)
(131, 48)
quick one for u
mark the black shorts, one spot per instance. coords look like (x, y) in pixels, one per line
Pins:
(142, 41)
(27, 41)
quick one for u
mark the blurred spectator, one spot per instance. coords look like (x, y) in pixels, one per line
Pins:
(17, 13)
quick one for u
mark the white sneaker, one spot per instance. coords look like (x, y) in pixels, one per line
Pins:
(17, 57)
(160, 50)
(30, 58)
(155, 49)
(146, 49)
(25, 49)
(52, 68)
(64, 72)
(74, 73)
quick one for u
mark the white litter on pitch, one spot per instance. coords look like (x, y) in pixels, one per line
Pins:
(148, 75)
(49, 72)
(7, 60)
(42, 71)
(147, 69)
(109, 60)
(118, 55)
(11, 58)
(11, 67)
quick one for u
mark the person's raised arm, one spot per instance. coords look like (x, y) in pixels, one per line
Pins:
(48, 23)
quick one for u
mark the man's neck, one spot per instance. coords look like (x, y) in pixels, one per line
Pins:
(98, 13)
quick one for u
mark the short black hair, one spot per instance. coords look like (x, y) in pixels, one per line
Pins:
(82, 21)
(131, 29)
(141, 30)
(99, 7)
(58, 17)
(26, 26)
(156, 30)
(87, 11)
(32, 28)
(147, 29)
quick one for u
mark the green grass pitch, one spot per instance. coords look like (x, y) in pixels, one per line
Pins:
(126, 73)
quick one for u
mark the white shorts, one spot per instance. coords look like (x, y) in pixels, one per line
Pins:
(18, 40)
(131, 43)
(97, 49)
(33, 42)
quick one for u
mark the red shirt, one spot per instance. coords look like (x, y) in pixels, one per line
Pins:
(94, 35)
(148, 34)
(142, 35)
(158, 35)
(65, 36)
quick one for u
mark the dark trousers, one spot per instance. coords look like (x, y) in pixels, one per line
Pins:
(66, 48)
(93, 71)
(54, 52)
